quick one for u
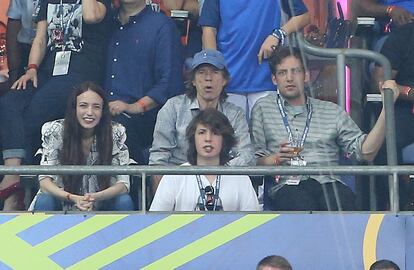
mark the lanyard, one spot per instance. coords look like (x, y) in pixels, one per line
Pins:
(65, 29)
(203, 192)
(286, 121)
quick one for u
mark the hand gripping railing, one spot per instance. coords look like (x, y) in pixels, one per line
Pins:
(340, 55)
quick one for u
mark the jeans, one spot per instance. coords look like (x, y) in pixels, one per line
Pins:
(47, 202)
(23, 112)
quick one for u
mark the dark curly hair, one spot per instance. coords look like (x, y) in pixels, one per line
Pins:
(219, 123)
(283, 52)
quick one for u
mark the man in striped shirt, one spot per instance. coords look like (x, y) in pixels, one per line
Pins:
(321, 130)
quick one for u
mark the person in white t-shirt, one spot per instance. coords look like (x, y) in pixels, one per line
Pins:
(210, 137)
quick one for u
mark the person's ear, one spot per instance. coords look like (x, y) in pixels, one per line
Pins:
(274, 79)
(307, 76)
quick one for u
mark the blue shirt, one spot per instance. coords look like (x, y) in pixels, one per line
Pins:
(144, 59)
(242, 26)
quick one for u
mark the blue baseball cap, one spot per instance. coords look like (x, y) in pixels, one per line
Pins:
(209, 56)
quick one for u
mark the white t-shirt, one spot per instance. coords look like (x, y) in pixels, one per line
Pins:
(181, 193)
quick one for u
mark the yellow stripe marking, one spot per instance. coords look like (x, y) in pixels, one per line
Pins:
(77, 233)
(369, 248)
(18, 254)
(136, 241)
(211, 241)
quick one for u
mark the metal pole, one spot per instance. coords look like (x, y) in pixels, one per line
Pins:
(189, 170)
(340, 74)
(391, 146)
(144, 193)
(394, 198)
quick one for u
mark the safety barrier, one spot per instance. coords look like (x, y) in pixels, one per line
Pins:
(143, 171)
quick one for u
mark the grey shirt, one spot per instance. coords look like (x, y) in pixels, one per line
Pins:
(169, 146)
(331, 130)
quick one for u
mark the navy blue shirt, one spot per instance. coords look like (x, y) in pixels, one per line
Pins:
(144, 59)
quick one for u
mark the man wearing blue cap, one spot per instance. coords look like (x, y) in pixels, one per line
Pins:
(209, 77)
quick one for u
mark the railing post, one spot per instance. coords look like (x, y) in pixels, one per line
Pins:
(340, 74)
(391, 147)
(143, 193)
(394, 196)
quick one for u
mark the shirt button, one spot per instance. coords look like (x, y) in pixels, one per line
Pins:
(135, 22)
(111, 93)
(120, 28)
(117, 43)
(112, 76)
(115, 59)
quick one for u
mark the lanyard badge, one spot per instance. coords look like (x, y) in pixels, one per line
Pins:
(299, 142)
(62, 58)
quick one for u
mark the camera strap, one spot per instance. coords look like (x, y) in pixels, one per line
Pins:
(203, 195)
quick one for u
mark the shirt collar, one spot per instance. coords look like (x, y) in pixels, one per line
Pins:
(194, 105)
(287, 106)
(132, 18)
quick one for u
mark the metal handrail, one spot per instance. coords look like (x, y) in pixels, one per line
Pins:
(340, 55)
(190, 170)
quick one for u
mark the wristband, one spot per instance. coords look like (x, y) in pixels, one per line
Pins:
(142, 105)
(406, 90)
(32, 66)
(280, 34)
(389, 10)
(68, 197)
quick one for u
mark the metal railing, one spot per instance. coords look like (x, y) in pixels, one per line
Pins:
(340, 55)
(144, 171)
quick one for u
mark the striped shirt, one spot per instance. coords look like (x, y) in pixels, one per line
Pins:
(331, 130)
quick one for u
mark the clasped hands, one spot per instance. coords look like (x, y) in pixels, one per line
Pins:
(85, 202)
